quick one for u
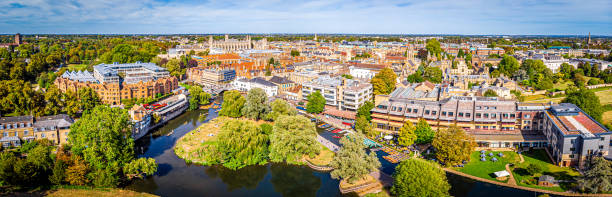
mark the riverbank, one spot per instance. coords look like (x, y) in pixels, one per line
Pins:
(74, 192)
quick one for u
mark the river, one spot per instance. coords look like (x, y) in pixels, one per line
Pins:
(177, 178)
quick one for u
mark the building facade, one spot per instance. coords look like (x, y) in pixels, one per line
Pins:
(27, 128)
(345, 94)
(115, 82)
(210, 77)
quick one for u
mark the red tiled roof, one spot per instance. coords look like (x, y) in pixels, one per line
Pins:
(589, 124)
(344, 114)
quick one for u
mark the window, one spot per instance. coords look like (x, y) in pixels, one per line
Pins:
(427, 112)
(512, 115)
(443, 113)
(26, 132)
(450, 113)
(43, 135)
(571, 156)
(16, 134)
(600, 147)
(416, 110)
(5, 134)
(478, 107)
(493, 115)
(460, 114)
(467, 115)
(477, 127)
(477, 115)
(485, 127)
(486, 115)
(527, 116)
(572, 149)
(409, 110)
(493, 127)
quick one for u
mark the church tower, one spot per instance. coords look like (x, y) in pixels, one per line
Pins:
(315, 38)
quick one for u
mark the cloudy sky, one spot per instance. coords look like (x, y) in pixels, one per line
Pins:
(567, 17)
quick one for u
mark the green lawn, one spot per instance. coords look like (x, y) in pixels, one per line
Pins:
(539, 157)
(485, 169)
(563, 85)
(605, 96)
(186, 86)
(76, 67)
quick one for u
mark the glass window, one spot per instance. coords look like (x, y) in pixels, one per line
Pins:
(467, 115)
(477, 115)
(416, 110)
(427, 112)
(460, 114)
(450, 113)
(444, 113)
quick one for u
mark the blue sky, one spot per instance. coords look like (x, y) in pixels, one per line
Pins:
(564, 17)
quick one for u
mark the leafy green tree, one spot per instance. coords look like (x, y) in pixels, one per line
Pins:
(280, 107)
(88, 99)
(364, 126)
(416, 77)
(76, 174)
(198, 97)
(7, 172)
(508, 65)
(406, 134)
(417, 177)
(453, 145)
(587, 101)
(567, 70)
(597, 178)
(59, 172)
(316, 103)
(384, 81)
(55, 103)
(292, 138)
(295, 53)
(71, 103)
(351, 162)
(233, 102)
(364, 110)
(103, 138)
(433, 74)
(433, 47)
(425, 134)
(140, 168)
(490, 93)
(242, 143)
(255, 106)
(534, 168)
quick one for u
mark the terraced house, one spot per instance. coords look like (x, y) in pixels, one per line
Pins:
(115, 82)
(564, 130)
(27, 128)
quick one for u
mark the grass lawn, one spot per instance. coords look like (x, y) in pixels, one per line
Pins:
(563, 85)
(69, 192)
(539, 157)
(607, 117)
(605, 96)
(534, 97)
(323, 159)
(186, 86)
(485, 169)
(76, 67)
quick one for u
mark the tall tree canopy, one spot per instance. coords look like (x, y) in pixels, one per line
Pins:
(242, 143)
(255, 106)
(198, 97)
(406, 134)
(453, 145)
(316, 103)
(417, 177)
(433, 47)
(425, 134)
(587, 101)
(351, 162)
(103, 137)
(433, 74)
(598, 176)
(364, 110)
(88, 99)
(292, 138)
(384, 81)
(233, 102)
(280, 107)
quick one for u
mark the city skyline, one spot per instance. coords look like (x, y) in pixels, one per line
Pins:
(337, 16)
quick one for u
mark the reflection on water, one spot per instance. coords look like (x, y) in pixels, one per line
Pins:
(177, 178)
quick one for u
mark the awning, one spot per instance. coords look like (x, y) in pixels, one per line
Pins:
(502, 173)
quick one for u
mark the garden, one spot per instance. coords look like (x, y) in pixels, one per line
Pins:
(486, 169)
(536, 164)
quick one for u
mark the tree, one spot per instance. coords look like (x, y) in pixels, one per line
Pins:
(280, 107)
(242, 143)
(351, 162)
(490, 93)
(364, 110)
(508, 65)
(59, 172)
(364, 126)
(76, 174)
(255, 106)
(406, 134)
(198, 97)
(433, 74)
(55, 103)
(316, 103)
(460, 53)
(292, 138)
(587, 101)
(233, 102)
(423, 132)
(140, 168)
(597, 178)
(88, 99)
(533, 168)
(422, 54)
(453, 145)
(433, 47)
(417, 177)
(295, 53)
(384, 81)
(416, 77)
(71, 103)
(103, 138)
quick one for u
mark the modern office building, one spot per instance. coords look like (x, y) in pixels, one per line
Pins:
(567, 132)
(574, 136)
(345, 94)
(210, 77)
(115, 82)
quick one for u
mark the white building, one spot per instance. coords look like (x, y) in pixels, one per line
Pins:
(346, 94)
(365, 71)
(245, 85)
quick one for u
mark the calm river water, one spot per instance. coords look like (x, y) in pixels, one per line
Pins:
(177, 178)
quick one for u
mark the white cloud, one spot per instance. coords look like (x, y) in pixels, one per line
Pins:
(294, 16)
